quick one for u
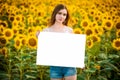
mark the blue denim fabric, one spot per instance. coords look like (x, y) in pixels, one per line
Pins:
(60, 72)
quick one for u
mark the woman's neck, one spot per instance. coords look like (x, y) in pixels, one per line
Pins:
(57, 25)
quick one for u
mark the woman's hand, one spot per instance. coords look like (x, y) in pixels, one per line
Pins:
(37, 33)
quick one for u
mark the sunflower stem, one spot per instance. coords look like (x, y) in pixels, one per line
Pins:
(9, 64)
(21, 73)
(88, 66)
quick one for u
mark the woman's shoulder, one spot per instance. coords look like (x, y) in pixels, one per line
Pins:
(46, 29)
(68, 29)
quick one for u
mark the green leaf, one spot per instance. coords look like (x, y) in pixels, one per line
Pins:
(91, 70)
(80, 77)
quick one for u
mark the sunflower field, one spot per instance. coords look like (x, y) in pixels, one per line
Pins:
(21, 19)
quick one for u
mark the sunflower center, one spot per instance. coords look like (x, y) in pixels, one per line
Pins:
(89, 32)
(117, 43)
(17, 42)
(4, 25)
(96, 31)
(108, 24)
(85, 24)
(15, 31)
(94, 24)
(92, 12)
(2, 41)
(89, 43)
(23, 41)
(18, 19)
(118, 25)
(96, 18)
(8, 34)
(1, 29)
(30, 30)
(32, 42)
(119, 33)
(39, 14)
(94, 39)
(11, 18)
(3, 51)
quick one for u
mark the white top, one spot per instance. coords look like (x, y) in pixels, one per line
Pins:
(64, 30)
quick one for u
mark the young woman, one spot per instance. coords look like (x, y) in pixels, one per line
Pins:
(58, 23)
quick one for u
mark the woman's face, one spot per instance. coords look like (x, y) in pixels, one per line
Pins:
(61, 16)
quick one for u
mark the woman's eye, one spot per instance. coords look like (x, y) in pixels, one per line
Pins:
(64, 14)
(60, 13)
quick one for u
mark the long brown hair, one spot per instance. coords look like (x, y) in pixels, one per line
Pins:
(55, 11)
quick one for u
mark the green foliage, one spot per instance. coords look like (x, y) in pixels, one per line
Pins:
(21, 65)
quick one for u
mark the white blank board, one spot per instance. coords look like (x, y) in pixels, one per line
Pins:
(61, 49)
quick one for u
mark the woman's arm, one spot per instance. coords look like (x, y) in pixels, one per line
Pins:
(37, 33)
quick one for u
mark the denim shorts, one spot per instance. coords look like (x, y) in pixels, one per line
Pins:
(60, 72)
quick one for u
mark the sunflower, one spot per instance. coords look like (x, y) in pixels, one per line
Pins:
(89, 31)
(99, 13)
(40, 12)
(11, 18)
(72, 21)
(21, 29)
(13, 9)
(32, 8)
(77, 31)
(15, 23)
(24, 41)
(20, 36)
(3, 41)
(8, 33)
(19, 18)
(4, 51)
(31, 30)
(98, 30)
(85, 23)
(15, 30)
(83, 12)
(1, 29)
(113, 10)
(4, 24)
(17, 43)
(97, 67)
(89, 43)
(91, 12)
(32, 42)
(117, 25)
(108, 24)
(105, 16)
(84, 16)
(32, 34)
(116, 44)
(96, 38)
(21, 7)
(118, 33)
(8, 10)
(38, 28)
(97, 18)
(43, 26)
(30, 19)
(24, 10)
(94, 24)
(114, 17)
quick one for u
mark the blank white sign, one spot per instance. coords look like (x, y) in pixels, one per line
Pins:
(61, 49)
